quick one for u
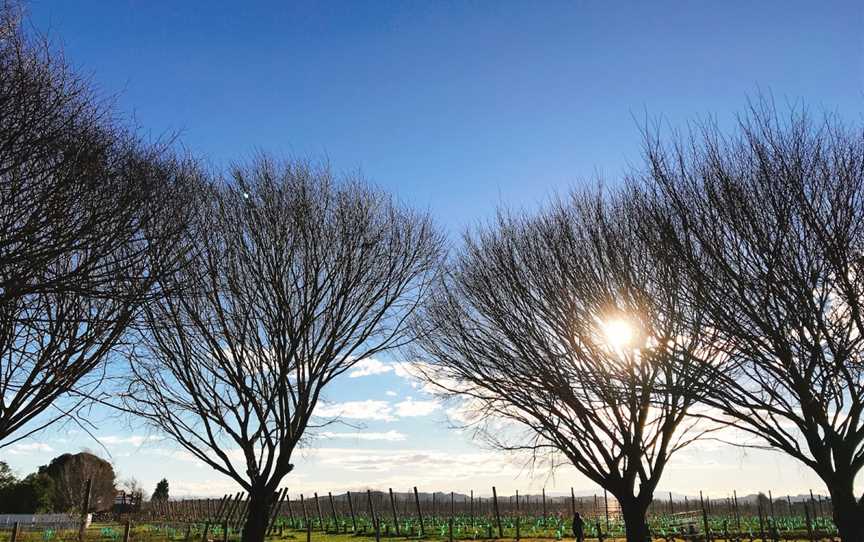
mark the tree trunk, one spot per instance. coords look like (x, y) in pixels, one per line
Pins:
(848, 511)
(258, 516)
(633, 511)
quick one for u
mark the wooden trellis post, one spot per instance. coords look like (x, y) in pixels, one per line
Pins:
(705, 518)
(221, 508)
(737, 512)
(497, 513)
(274, 511)
(290, 510)
(240, 512)
(544, 505)
(452, 504)
(351, 509)
(606, 505)
(303, 506)
(761, 520)
(372, 512)
(245, 514)
(393, 508)
(419, 512)
(333, 511)
(771, 505)
(231, 505)
(320, 515)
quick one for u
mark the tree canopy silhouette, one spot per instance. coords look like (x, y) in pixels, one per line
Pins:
(293, 277)
(90, 217)
(561, 333)
(769, 224)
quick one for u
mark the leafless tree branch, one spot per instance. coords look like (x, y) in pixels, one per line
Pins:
(294, 277)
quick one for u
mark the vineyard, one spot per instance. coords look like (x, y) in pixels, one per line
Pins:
(449, 516)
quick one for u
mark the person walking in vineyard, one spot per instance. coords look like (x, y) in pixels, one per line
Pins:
(578, 528)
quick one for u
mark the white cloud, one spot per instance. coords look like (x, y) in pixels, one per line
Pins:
(28, 448)
(409, 408)
(179, 454)
(371, 409)
(357, 410)
(390, 393)
(465, 412)
(439, 464)
(134, 440)
(368, 367)
(390, 436)
(405, 369)
(426, 377)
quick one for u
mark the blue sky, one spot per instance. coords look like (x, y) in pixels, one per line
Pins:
(456, 107)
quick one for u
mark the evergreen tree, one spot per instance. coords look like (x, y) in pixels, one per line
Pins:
(161, 491)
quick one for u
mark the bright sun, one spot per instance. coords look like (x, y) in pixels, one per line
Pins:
(619, 333)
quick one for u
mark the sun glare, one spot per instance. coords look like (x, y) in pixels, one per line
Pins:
(619, 333)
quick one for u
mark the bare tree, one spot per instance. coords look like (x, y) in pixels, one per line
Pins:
(769, 223)
(564, 335)
(60, 152)
(134, 491)
(87, 224)
(296, 277)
